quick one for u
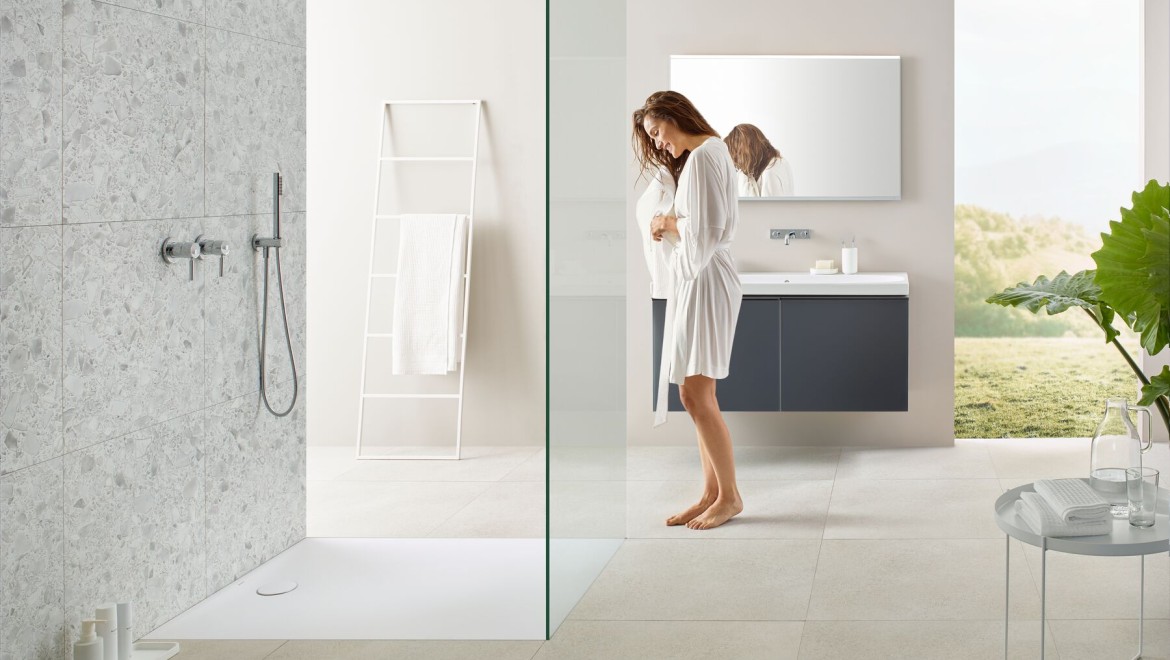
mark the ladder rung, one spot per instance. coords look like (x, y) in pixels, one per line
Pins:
(389, 334)
(424, 159)
(440, 102)
(410, 396)
(396, 275)
(387, 216)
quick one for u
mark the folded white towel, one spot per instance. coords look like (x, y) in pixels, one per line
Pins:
(1072, 499)
(1034, 510)
(427, 294)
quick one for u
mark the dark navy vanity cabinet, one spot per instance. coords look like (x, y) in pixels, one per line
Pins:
(811, 353)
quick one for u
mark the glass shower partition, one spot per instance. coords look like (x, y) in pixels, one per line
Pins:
(587, 166)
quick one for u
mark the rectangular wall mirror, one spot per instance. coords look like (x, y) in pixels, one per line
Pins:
(836, 121)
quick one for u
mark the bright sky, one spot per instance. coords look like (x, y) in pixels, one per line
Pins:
(1047, 105)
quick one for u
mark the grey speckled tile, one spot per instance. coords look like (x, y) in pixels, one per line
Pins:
(133, 107)
(233, 308)
(133, 330)
(31, 581)
(30, 126)
(186, 10)
(30, 362)
(255, 484)
(292, 264)
(255, 123)
(278, 20)
(134, 520)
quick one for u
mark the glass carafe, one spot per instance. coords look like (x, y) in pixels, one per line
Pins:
(1116, 447)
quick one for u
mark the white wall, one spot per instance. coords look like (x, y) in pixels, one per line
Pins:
(915, 234)
(1156, 129)
(361, 52)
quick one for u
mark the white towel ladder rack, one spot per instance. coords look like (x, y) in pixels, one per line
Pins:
(383, 158)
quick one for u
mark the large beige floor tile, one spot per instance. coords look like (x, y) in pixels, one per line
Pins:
(673, 640)
(587, 509)
(751, 463)
(325, 463)
(474, 464)
(601, 463)
(933, 579)
(406, 649)
(804, 463)
(1104, 640)
(532, 469)
(383, 510)
(772, 510)
(968, 459)
(913, 509)
(899, 640)
(1046, 458)
(503, 510)
(1083, 587)
(236, 649)
(712, 579)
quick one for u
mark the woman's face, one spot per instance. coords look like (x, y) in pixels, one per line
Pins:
(665, 134)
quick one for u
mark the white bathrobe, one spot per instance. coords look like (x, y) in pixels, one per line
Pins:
(702, 312)
(774, 181)
(658, 199)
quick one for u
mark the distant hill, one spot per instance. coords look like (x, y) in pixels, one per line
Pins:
(1076, 181)
(994, 251)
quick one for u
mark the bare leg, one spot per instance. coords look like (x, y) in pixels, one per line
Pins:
(710, 492)
(698, 394)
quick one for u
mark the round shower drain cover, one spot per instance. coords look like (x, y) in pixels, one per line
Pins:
(276, 588)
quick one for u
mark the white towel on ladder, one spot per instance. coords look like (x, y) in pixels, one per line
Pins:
(428, 294)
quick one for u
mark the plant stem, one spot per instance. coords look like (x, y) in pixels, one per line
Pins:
(1160, 402)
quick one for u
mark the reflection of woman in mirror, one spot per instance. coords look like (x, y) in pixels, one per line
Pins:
(703, 306)
(763, 172)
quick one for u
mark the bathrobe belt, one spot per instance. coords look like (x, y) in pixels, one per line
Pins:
(668, 335)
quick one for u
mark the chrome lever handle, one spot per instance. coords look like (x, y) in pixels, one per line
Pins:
(172, 251)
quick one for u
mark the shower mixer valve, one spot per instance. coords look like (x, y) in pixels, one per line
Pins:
(172, 251)
(213, 247)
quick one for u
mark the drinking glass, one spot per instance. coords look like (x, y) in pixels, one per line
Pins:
(1141, 484)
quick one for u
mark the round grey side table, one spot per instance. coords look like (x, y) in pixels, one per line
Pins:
(1124, 541)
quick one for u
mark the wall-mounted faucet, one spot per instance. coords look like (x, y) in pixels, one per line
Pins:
(789, 234)
(213, 247)
(172, 251)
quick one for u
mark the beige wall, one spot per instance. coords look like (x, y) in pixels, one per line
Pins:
(361, 52)
(915, 235)
(1156, 128)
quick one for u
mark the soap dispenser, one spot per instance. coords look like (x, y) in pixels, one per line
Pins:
(89, 647)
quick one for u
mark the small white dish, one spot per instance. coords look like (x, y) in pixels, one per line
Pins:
(822, 271)
(154, 650)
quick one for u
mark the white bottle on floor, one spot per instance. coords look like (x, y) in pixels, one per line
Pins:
(90, 646)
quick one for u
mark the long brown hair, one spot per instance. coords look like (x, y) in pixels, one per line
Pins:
(750, 150)
(675, 108)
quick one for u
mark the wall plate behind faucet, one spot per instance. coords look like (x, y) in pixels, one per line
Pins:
(781, 233)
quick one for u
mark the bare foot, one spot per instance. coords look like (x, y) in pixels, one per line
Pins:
(717, 514)
(690, 514)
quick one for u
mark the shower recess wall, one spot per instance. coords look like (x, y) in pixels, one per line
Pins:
(136, 462)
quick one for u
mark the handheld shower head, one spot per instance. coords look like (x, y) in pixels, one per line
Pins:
(277, 191)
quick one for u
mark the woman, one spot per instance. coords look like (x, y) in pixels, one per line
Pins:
(703, 305)
(763, 171)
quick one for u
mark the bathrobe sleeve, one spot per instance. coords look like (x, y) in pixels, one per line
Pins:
(702, 227)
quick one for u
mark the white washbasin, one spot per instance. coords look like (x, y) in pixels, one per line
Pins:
(805, 284)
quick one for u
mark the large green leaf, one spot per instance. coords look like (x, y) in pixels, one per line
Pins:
(1159, 386)
(1057, 295)
(1133, 266)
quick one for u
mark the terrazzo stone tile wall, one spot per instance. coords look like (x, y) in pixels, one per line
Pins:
(136, 459)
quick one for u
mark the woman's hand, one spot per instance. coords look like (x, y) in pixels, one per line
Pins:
(661, 224)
